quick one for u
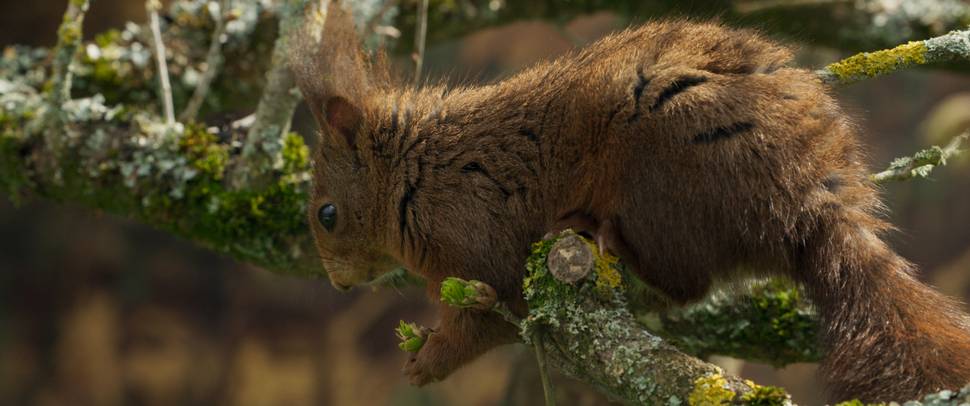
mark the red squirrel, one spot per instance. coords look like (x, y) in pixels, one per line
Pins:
(688, 148)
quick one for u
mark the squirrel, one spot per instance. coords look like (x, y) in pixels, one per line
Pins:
(689, 149)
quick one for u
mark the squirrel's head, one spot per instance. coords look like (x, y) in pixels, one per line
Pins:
(347, 214)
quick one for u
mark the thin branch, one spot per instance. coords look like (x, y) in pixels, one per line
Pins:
(952, 46)
(420, 41)
(213, 63)
(166, 92)
(59, 90)
(923, 162)
(547, 390)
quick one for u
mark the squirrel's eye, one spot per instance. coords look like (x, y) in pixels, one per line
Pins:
(327, 216)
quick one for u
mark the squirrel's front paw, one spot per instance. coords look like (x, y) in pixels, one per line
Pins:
(430, 364)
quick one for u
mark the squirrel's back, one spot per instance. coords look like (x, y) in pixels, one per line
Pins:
(703, 151)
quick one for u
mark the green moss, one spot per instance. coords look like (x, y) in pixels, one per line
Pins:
(765, 395)
(296, 155)
(107, 38)
(773, 323)
(69, 33)
(206, 154)
(711, 390)
(265, 226)
(13, 175)
(869, 64)
(607, 268)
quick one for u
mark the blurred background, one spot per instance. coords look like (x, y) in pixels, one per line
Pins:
(97, 310)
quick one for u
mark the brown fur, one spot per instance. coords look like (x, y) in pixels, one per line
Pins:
(690, 149)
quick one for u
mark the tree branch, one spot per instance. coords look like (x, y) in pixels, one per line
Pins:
(59, 87)
(263, 142)
(923, 162)
(949, 47)
(160, 57)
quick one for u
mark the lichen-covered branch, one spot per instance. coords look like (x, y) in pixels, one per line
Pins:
(280, 97)
(589, 333)
(952, 46)
(59, 87)
(121, 158)
(577, 305)
(770, 322)
(923, 162)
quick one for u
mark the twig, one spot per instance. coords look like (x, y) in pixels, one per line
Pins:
(213, 63)
(921, 163)
(68, 42)
(420, 41)
(59, 91)
(153, 6)
(952, 46)
(547, 390)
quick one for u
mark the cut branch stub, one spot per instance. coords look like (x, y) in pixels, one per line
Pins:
(570, 259)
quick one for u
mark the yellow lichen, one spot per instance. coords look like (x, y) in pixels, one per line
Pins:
(868, 64)
(605, 265)
(764, 395)
(711, 390)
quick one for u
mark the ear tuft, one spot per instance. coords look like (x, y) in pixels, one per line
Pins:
(344, 118)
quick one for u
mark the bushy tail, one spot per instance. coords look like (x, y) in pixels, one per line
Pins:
(888, 336)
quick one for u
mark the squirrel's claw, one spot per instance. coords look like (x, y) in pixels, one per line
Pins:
(421, 368)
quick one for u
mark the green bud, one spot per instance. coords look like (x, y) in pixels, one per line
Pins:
(468, 294)
(411, 335)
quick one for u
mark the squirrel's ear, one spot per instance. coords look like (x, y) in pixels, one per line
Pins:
(343, 118)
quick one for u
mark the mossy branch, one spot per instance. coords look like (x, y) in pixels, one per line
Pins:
(59, 86)
(577, 301)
